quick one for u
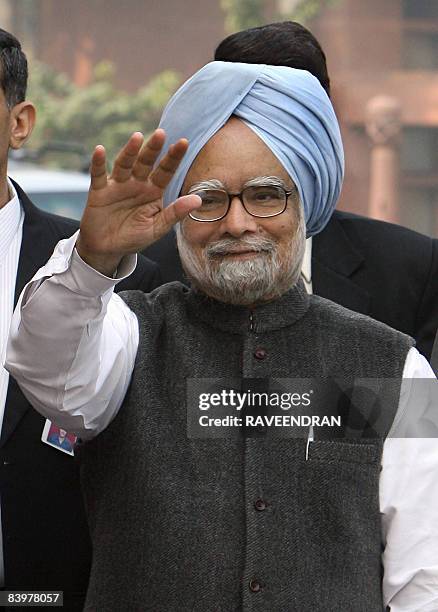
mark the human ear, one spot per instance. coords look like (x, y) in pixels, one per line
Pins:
(22, 120)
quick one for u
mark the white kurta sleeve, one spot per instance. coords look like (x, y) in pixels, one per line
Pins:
(73, 342)
(409, 501)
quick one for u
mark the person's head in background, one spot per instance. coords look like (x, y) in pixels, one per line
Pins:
(17, 116)
(286, 43)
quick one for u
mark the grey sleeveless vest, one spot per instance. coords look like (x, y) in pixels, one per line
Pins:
(181, 524)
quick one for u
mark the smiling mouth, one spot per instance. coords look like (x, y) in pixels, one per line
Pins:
(243, 253)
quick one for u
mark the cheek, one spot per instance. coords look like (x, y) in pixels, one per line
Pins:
(197, 234)
(281, 228)
(290, 222)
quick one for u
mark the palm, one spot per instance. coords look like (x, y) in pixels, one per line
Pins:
(124, 211)
(122, 216)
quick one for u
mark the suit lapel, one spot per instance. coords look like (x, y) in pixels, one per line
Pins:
(335, 260)
(36, 248)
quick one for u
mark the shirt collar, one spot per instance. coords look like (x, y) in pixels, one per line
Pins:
(11, 216)
(306, 268)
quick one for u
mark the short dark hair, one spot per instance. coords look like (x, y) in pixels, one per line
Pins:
(13, 69)
(285, 43)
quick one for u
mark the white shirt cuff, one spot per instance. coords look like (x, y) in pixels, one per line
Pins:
(77, 275)
(87, 281)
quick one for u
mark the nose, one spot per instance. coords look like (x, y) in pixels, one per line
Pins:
(237, 221)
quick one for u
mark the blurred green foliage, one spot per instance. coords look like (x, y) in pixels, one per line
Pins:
(307, 10)
(97, 114)
(242, 14)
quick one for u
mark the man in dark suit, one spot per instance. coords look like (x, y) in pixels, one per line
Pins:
(379, 269)
(44, 531)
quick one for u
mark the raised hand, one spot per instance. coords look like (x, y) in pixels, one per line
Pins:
(124, 212)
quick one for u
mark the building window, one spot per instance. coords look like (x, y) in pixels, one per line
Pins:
(419, 165)
(420, 9)
(419, 151)
(420, 35)
(420, 50)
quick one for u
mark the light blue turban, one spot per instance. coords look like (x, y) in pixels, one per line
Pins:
(287, 108)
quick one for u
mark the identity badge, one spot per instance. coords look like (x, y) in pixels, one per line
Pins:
(58, 438)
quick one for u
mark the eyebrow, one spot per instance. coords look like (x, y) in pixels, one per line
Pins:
(210, 184)
(272, 181)
(258, 181)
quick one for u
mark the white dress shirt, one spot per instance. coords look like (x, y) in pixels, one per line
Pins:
(73, 346)
(306, 267)
(11, 230)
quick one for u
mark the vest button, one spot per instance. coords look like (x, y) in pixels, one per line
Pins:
(260, 505)
(260, 354)
(255, 586)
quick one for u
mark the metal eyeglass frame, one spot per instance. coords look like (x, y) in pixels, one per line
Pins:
(231, 197)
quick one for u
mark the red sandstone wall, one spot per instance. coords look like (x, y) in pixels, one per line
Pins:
(141, 37)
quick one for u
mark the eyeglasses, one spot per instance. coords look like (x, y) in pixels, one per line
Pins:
(262, 201)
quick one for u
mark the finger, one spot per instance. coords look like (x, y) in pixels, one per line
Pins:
(148, 155)
(98, 168)
(126, 158)
(176, 212)
(163, 173)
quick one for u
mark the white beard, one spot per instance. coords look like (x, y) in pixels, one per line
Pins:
(245, 282)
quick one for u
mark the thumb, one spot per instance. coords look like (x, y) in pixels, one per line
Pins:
(177, 211)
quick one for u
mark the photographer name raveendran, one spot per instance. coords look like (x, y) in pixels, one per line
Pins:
(278, 420)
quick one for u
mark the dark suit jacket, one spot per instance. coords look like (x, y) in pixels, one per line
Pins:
(45, 535)
(379, 269)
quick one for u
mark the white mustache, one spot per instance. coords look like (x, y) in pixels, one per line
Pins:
(229, 245)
